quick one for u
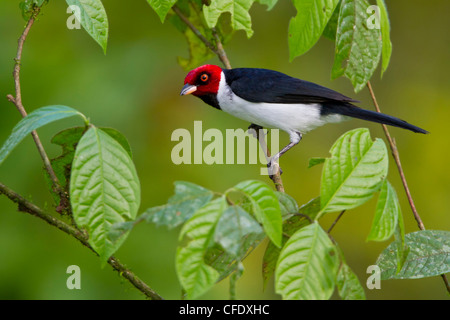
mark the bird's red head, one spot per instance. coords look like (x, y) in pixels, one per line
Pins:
(202, 80)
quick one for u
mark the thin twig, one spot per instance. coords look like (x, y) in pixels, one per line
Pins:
(17, 100)
(396, 156)
(220, 50)
(26, 206)
(194, 29)
(335, 221)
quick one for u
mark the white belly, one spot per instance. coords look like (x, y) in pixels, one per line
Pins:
(287, 117)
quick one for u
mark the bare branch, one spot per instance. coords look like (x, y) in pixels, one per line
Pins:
(396, 156)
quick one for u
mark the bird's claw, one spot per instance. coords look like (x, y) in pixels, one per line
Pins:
(273, 168)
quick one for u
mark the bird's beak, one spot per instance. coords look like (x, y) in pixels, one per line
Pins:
(188, 89)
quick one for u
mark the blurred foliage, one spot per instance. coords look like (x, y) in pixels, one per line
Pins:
(134, 88)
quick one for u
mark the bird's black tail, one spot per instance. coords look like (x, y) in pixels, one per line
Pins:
(356, 112)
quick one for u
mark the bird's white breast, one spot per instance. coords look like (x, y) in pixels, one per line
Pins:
(287, 117)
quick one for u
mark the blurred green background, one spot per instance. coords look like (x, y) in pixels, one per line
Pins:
(135, 89)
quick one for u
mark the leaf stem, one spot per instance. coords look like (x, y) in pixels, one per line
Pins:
(30, 208)
(335, 221)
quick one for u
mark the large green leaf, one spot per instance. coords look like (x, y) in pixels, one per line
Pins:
(331, 27)
(162, 7)
(104, 189)
(240, 18)
(385, 36)
(307, 265)
(429, 255)
(234, 225)
(33, 121)
(93, 18)
(309, 23)
(294, 222)
(386, 214)
(265, 206)
(355, 171)
(194, 274)
(358, 48)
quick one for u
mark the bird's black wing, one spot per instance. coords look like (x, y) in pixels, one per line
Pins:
(262, 85)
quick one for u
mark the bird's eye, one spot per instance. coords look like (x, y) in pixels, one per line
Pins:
(204, 77)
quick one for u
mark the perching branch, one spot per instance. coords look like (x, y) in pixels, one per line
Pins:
(26, 206)
(221, 54)
(396, 156)
(17, 100)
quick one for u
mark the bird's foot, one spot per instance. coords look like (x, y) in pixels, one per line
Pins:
(273, 168)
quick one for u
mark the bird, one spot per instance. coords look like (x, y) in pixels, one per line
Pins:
(271, 99)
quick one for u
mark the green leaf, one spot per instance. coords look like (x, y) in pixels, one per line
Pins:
(358, 48)
(265, 207)
(194, 274)
(309, 23)
(235, 224)
(386, 214)
(33, 121)
(120, 138)
(315, 161)
(304, 216)
(385, 36)
(62, 165)
(224, 262)
(162, 7)
(355, 171)
(104, 189)
(402, 248)
(307, 265)
(188, 198)
(348, 284)
(429, 255)
(240, 18)
(93, 18)
(288, 205)
(331, 28)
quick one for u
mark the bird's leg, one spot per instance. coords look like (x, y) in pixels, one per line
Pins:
(255, 129)
(296, 137)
